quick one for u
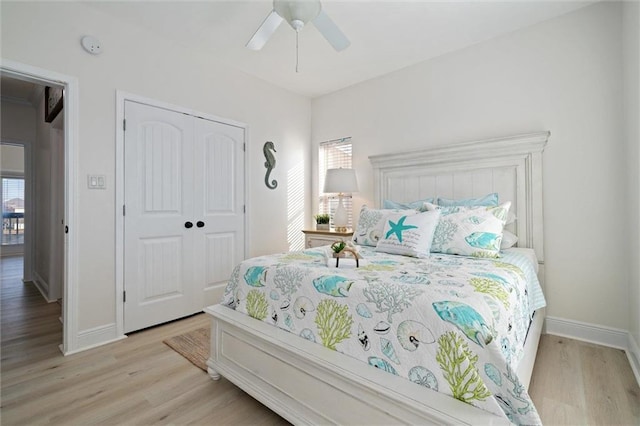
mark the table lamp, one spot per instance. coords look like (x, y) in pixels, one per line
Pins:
(340, 181)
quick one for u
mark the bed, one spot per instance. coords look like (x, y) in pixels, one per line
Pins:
(305, 382)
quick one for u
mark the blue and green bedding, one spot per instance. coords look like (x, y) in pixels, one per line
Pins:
(453, 324)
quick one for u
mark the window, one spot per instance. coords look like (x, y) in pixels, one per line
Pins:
(332, 155)
(12, 211)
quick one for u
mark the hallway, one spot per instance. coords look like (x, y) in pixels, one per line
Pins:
(24, 312)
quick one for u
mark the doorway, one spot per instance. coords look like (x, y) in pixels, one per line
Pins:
(62, 217)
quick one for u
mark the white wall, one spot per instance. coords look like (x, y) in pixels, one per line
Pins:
(562, 75)
(42, 191)
(12, 159)
(631, 73)
(18, 122)
(48, 36)
(46, 197)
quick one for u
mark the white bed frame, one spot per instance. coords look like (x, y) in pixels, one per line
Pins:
(307, 383)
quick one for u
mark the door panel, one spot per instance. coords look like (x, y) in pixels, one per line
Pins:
(158, 249)
(160, 269)
(220, 242)
(220, 249)
(219, 182)
(161, 155)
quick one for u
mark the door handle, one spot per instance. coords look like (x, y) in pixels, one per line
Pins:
(200, 224)
(188, 225)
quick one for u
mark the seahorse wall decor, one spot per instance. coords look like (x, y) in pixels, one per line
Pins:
(270, 164)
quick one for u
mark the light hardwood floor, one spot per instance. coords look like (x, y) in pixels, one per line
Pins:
(140, 380)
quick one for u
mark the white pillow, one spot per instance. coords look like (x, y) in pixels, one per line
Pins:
(371, 224)
(509, 239)
(408, 235)
(470, 231)
(415, 205)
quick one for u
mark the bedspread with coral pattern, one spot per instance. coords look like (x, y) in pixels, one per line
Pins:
(453, 324)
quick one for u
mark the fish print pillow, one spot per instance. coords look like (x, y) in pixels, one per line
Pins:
(470, 231)
(409, 235)
(371, 224)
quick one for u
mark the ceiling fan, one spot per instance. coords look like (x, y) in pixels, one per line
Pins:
(298, 13)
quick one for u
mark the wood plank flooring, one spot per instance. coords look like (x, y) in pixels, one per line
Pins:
(142, 381)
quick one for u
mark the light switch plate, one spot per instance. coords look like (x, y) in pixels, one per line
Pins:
(97, 181)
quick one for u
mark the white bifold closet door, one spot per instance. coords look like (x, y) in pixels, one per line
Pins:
(184, 212)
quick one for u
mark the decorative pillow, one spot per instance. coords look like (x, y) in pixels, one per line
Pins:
(471, 231)
(415, 205)
(409, 235)
(371, 224)
(487, 200)
(509, 239)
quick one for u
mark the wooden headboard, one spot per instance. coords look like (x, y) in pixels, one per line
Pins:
(510, 166)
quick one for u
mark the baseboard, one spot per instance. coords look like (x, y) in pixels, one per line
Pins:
(633, 353)
(592, 333)
(42, 286)
(95, 337)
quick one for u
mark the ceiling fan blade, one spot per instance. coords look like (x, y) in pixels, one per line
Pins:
(266, 30)
(331, 32)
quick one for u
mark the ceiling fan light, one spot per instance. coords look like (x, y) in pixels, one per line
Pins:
(297, 24)
(297, 12)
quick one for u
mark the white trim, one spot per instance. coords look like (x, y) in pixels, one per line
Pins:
(30, 208)
(121, 98)
(599, 335)
(43, 287)
(633, 353)
(97, 336)
(71, 121)
(591, 333)
(119, 186)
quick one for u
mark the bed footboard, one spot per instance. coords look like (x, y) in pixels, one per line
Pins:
(308, 384)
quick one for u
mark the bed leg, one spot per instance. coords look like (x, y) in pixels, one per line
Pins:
(213, 373)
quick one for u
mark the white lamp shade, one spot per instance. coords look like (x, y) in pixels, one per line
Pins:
(340, 180)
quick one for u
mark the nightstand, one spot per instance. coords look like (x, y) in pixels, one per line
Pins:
(313, 238)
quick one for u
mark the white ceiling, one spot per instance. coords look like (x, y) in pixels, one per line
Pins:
(385, 35)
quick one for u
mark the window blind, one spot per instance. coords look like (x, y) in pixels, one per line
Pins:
(12, 195)
(334, 154)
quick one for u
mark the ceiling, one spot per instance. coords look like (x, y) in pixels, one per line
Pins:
(385, 35)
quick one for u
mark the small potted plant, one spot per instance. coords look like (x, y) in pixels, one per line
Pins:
(322, 222)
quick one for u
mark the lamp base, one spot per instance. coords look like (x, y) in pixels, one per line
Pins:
(340, 217)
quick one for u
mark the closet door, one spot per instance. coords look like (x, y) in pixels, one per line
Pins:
(184, 221)
(219, 205)
(159, 258)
